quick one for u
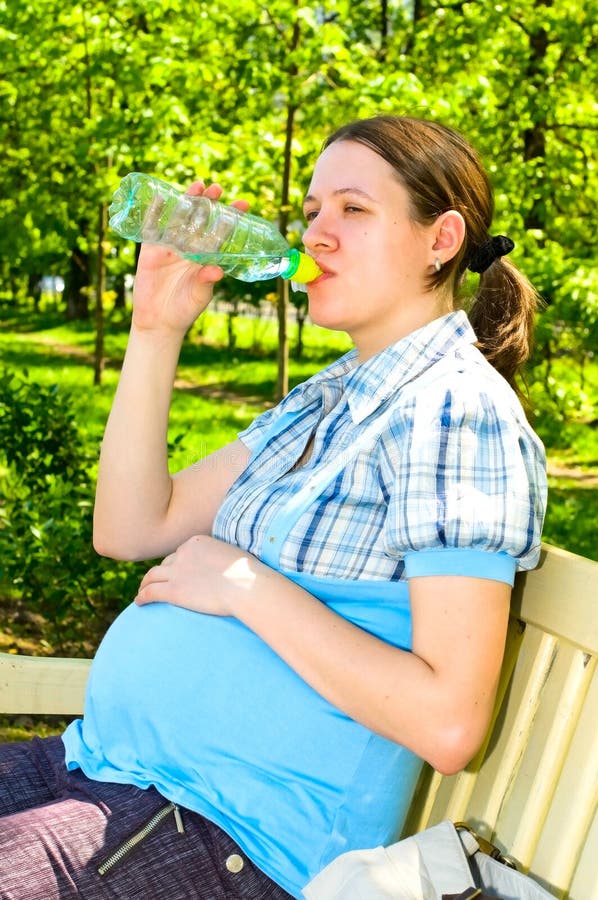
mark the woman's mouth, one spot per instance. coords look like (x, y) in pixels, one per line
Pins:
(326, 274)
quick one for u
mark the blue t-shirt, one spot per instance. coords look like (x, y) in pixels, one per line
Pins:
(201, 708)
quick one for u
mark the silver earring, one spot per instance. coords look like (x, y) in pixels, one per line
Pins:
(437, 265)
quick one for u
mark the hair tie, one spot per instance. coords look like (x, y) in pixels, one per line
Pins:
(489, 252)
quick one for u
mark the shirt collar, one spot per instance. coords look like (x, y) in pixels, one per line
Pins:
(369, 384)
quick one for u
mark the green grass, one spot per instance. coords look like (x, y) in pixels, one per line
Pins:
(22, 728)
(221, 391)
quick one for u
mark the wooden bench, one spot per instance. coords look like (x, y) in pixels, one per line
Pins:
(533, 788)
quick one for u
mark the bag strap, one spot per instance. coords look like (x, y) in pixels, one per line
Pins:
(473, 843)
(445, 850)
(469, 894)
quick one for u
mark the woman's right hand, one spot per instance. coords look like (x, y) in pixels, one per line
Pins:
(170, 292)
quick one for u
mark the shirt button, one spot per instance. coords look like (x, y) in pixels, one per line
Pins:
(271, 538)
(234, 863)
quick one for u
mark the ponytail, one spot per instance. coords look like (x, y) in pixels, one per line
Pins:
(502, 315)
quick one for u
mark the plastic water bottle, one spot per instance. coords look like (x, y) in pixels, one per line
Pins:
(247, 247)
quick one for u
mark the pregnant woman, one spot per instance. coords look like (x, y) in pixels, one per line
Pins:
(332, 601)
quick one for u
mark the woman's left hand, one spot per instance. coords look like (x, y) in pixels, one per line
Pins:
(203, 574)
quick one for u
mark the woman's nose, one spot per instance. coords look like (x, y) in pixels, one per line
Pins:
(318, 235)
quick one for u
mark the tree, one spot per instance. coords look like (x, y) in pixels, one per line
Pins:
(243, 93)
(520, 80)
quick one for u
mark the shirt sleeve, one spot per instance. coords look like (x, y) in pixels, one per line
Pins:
(253, 436)
(274, 422)
(469, 496)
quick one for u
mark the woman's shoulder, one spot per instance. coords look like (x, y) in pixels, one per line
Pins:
(459, 399)
(464, 381)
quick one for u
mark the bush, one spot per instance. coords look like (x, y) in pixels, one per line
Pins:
(572, 520)
(46, 508)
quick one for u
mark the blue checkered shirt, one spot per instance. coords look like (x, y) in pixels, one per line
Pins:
(456, 466)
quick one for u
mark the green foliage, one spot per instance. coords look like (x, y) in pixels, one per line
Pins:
(38, 432)
(50, 424)
(572, 519)
(23, 728)
(90, 91)
(46, 500)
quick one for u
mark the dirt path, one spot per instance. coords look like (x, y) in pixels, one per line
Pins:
(574, 473)
(583, 477)
(214, 391)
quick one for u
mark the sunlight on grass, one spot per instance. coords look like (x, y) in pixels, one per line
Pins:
(21, 728)
(220, 391)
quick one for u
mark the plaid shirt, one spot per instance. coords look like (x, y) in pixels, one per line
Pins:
(455, 466)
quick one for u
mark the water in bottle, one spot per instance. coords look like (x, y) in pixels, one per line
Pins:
(247, 247)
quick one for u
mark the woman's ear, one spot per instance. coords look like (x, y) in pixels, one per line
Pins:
(449, 231)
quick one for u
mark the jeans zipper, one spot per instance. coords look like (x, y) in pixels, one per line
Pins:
(119, 854)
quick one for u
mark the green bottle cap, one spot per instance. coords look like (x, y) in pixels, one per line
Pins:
(302, 268)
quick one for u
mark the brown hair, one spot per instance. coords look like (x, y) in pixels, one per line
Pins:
(441, 171)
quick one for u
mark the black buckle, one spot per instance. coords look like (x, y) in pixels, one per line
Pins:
(487, 848)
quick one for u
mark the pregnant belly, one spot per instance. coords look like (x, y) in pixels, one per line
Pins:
(171, 685)
(201, 708)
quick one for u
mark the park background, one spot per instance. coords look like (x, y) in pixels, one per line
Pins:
(244, 92)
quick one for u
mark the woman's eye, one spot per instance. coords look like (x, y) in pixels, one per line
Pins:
(349, 208)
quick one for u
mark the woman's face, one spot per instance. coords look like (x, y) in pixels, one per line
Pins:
(374, 258)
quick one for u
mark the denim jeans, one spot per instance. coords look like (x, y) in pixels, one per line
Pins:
(64, 836)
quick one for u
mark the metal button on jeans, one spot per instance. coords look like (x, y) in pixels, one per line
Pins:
(234, 863)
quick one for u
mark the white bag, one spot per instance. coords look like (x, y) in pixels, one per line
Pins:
(440, 862)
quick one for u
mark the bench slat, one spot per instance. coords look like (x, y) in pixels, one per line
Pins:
(42, 685)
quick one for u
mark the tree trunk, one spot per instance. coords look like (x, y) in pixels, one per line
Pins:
(534, 138)
(383, 30)
(282, 384)
(119, 289)
(282, 381)
(34, 288)
(77, 281)
(230, 326)
(301, 315)
(100, 287)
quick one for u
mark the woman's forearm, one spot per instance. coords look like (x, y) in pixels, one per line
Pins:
(391, 691)
(436, 700)
(134, 486)
(437, 703)
(135, 491)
